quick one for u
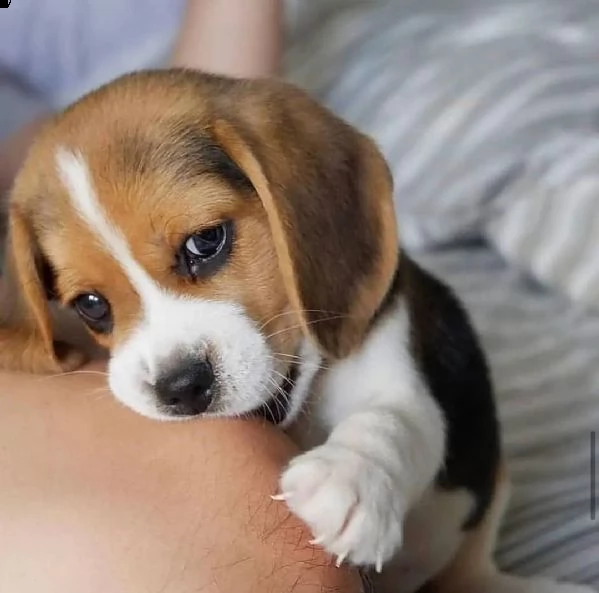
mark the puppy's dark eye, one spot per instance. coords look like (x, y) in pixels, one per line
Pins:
(95, 310)
(206, 244)
(204, 252)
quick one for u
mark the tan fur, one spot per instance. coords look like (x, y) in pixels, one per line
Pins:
(347, 195)
(316, 251)
(473, 568)
(26, 332)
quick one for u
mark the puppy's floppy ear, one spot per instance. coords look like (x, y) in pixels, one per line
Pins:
(327, 192)
(26, 333)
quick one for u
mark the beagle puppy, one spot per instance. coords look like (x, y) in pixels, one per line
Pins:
(233, 245)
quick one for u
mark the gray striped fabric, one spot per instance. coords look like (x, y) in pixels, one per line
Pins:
(545, 359)
(488, 114)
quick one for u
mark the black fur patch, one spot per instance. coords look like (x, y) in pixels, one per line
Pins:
(216, 160)
(47, 277)
(194, 153)
(447, 352)
(184, 150)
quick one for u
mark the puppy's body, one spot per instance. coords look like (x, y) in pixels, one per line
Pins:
(233, 244)
(405, 429)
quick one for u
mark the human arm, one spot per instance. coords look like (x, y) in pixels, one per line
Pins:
(233, 37)
(96, 498)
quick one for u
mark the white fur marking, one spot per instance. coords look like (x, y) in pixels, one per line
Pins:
(385, 447)
(171, 324)
(74, 173)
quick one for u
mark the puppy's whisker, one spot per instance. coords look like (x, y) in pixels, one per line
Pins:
(284, 377)
(69, 373)
(282, 331)
(271, 413)
(297, 312)
(292, 356)
(299, 326)
(294, 312)
(282, 357)
(280, 405)
(278, 387)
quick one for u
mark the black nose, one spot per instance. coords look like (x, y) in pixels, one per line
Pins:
(185, 390)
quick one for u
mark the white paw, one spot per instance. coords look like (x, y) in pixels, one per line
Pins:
(352, 505)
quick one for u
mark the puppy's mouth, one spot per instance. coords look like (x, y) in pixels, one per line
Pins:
(276, 409)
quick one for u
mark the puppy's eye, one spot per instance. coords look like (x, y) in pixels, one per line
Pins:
(206, 244)
(203, 252)
(95, 310)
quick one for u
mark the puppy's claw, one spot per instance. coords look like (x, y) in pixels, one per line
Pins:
(317, 540)
(379, 564)
(340, 559)
(280, 497)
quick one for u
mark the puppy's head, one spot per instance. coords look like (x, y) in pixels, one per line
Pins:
(202, 228)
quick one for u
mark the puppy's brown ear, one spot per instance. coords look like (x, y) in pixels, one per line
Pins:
(26, 334)
(327, 192)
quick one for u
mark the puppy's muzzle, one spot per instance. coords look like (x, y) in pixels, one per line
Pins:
(186, 389)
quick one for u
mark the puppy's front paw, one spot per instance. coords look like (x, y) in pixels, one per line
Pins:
(353, 506)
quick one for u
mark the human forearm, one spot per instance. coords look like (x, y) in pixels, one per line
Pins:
(233, 37)
(96, 498)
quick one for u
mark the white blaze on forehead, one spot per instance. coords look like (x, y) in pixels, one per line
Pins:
(74, 174)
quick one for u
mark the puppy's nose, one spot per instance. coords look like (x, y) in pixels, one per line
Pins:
(185, 390)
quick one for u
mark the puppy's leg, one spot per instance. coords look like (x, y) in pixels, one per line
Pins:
(473, 569)
(385, 449)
